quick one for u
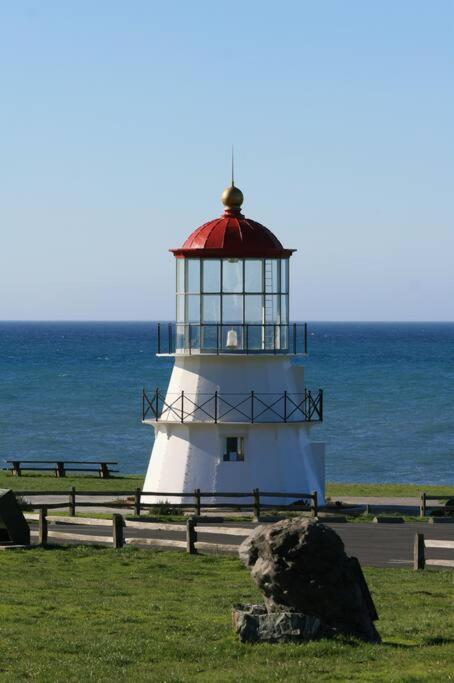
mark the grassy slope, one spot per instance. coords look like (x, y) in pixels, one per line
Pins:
(102, 615)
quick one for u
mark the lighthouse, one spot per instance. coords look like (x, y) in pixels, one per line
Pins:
(236, 415)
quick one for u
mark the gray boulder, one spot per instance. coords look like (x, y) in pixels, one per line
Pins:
(301, 568)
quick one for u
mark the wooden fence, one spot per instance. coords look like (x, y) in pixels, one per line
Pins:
(133, 499)
(119, 526)
(419, 555)
(423, 507)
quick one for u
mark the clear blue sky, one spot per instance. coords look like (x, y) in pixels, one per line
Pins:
(116, 121)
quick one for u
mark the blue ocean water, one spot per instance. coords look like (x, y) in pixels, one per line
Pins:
(74, 390)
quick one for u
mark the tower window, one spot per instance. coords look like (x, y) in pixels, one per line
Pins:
(234, 449)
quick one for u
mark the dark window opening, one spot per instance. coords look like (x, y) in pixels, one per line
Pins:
(234, 449)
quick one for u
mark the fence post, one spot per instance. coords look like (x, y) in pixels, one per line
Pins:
(72, 501)
(42, 528)
(197, 502)
(422, 506)
(314, 506)
(256, 494)
(118, 534)
(419, 561)
(137, 501)
(191, 536)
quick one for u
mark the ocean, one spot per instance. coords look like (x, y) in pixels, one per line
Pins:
(73, 390)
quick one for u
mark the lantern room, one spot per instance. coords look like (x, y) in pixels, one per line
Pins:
(232, 287)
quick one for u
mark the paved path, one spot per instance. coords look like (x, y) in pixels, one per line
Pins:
(374, 545)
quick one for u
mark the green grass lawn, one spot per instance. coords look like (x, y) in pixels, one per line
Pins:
(389, 490)
(88, 614)
(36, 482)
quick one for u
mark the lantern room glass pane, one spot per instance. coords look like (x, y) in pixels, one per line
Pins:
(180, 274)
(193, 303)
(193, 275)
(180, 308)
(211, 275)
(232, 308)
(284, 276)
(253, 308)
(272, 282)
(272, 308)
(284, 308)
(253, 275)
(211, 308)
(232, 275)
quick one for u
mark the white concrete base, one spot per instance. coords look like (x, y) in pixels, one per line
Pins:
(278, 458)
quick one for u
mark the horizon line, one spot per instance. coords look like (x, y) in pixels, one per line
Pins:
(149, 320)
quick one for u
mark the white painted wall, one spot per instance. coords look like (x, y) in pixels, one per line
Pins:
(278, 456)
(235, 376)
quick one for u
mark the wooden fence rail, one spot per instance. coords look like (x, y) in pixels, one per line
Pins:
(419, 556)
(134, 499)
(423, 507)
(118, 538)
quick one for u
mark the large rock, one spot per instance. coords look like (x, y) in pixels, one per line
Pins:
(301, 567)
(254, 623)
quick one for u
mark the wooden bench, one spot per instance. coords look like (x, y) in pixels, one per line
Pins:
(419, 556)
(60, 467)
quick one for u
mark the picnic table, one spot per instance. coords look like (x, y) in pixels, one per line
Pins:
(60, 467)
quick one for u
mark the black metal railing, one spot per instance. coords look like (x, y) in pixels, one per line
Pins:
(219, 407)
(215, 338)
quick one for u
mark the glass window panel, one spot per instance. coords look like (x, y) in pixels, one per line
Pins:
(180, 340)
(254, 337)
(193, 302)
(180, 274)
(209, 337)
(193, 274)
(211, 308)
(253, 281)
(211, 275)
(193, 335)
(253, 308)
(232, 308)
(272, 308)
(180, 308)
(271, 275)
(284, 308)
(232, 275)
(284, 275)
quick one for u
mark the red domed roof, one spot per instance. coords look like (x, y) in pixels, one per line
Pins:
(232, 236)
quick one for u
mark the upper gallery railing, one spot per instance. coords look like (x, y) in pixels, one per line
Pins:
(219, 407)
(246, 338)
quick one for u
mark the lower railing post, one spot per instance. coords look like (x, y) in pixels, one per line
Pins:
(118, 524)
(72, 501)
(419, 560)
(137, 501)
(422, 506)
(197, 507)
(314, 507)
(256, 495)
(191, 536)
(42, 526)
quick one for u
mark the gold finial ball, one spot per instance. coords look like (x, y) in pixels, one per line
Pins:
(232, 197)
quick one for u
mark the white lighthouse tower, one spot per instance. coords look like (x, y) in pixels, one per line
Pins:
(236, 415)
